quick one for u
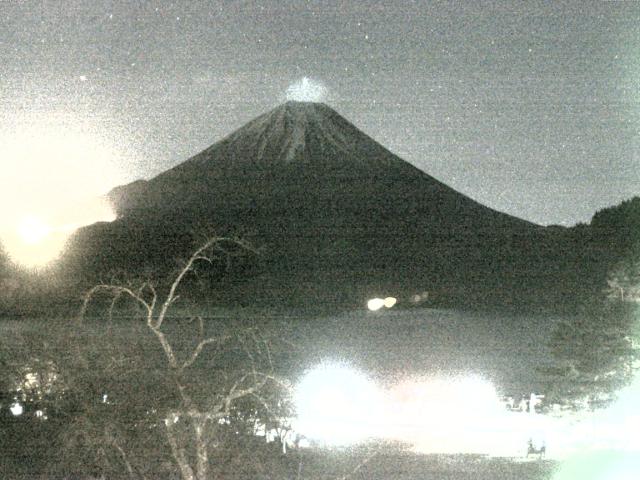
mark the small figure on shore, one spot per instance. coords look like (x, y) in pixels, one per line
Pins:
(532, 450)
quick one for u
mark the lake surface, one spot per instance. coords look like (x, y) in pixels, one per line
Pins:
(502, 348)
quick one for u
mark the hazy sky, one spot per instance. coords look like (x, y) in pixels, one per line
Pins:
(530, 108)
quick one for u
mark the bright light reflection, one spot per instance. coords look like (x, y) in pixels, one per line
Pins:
(612, 429)
(600, 465)
(16, 409)
(375, 304)
(54, 175)
(463, 414)
(338, 405)
(452, 415)
(389, 302)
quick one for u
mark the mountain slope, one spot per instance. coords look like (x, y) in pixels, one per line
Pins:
(335, 211)
(297, 147)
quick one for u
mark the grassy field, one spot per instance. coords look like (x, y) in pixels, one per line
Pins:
(409, 466)
(314, 466)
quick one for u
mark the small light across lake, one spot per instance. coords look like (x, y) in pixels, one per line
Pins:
(377, 303)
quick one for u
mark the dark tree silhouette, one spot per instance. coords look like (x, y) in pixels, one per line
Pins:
(239, 368)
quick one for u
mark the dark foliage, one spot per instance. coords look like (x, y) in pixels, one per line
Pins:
(594, 354)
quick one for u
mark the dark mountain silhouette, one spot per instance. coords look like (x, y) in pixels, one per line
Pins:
(339, 216)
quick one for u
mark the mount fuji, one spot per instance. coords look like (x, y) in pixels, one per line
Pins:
(338, 216)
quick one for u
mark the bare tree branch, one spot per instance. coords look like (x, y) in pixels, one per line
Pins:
(201, 325)
(115, 299)
(249, 383)
(176, 450)
(194, 355)
(197, 255)
(114, 290)
(124, 457)
(166, 347)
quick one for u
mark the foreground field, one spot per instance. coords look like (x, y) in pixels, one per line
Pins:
(345, 465)
(409, 466)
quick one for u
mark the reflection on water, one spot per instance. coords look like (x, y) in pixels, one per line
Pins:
(339, 405)
(472, 363)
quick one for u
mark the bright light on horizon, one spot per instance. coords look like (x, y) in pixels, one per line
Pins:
(375, 304)
(32, 242)
(55, 175)
(33, 230)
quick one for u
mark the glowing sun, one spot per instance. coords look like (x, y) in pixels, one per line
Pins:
(33, 230)
(55, 176)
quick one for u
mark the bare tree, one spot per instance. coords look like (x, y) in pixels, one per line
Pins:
(191, 425)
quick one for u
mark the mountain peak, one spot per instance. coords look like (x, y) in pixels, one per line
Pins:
(301, 104)
(336, 210)
(308, 139)
(295, 131)
(299, 111)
